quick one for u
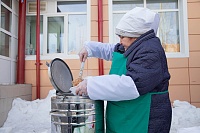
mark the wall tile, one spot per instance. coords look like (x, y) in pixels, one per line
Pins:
(106, 39)
(43, 64)
(30, 64)
(106, 71)
(75, 64)
(194, 75)
(105, 12)
(44, 91)
(94, 38)
(196, 104)
(193, 1)
(44, 78)
(193, 59)
(94, 12)
(93, 72)
(107, 64)
(94, 28)
(94, 2)
(93, 63)
(105, 2)
(195, 93)
(179, 92)
(179, 76)
(30, 77)
(193, 26)
(177, 62)
(194, 42)
(193, 9)
(105, 28)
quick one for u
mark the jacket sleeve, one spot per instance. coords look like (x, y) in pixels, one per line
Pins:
(111, 88)
(146, 70)
(99, 50)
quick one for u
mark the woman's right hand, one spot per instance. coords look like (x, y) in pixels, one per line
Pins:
(83, 54)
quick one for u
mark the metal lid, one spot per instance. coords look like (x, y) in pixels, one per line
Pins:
(60, 75)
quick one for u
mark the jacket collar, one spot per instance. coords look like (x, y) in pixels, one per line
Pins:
(146, 36)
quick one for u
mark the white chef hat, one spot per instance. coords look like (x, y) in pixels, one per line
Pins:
(137, 21)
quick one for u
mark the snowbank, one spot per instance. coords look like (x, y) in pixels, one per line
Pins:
(34, 117)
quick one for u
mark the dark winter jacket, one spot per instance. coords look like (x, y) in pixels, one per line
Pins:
(147, 66)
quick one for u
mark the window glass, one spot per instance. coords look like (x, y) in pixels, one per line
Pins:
(55, 35)
(16, 6)
(4, 44)
(76, 33)
(162, 4)
(6, 18)
(169, 31)
(31, 35)
(127, 5)
(64, 33)
(7, 2)
(116, 18)
(71, 6)
(15, 24)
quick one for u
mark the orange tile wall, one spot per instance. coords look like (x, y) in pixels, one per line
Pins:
(185, 72)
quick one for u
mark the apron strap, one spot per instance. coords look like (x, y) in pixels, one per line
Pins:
(163, 92)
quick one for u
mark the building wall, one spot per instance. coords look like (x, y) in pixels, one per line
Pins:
(185, 72)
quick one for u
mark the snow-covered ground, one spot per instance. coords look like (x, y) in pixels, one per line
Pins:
(34, 117)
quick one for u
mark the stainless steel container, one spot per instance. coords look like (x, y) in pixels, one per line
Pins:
(72, 114)
(69, 113)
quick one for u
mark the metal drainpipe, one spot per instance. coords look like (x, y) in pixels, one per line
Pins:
(38, 51)
(100, 33)
(21, 42)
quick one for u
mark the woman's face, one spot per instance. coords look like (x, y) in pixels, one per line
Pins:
(126, 41)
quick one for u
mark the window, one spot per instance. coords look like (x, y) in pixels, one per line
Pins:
(6, 18)
(31, 35)
(55, 31)
(76, 33)
(63, 31)
(173, 22)
(76, 17)
(7, 2)
(5, 36)
(4, 44)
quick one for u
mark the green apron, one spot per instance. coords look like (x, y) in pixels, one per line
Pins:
(130, 116)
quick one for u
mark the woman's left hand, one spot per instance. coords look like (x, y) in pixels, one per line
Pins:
(81, 88)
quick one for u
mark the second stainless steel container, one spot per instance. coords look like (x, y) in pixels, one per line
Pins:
(72, 114)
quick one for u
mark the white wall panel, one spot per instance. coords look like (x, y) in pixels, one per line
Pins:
(5, 73)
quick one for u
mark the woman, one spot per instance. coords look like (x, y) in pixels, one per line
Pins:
(136, 90)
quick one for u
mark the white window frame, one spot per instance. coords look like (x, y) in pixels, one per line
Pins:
(47, 56)
(183, 29)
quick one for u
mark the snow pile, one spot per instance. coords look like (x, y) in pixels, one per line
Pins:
(29, 116)
(34, 117)
(185, 117)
